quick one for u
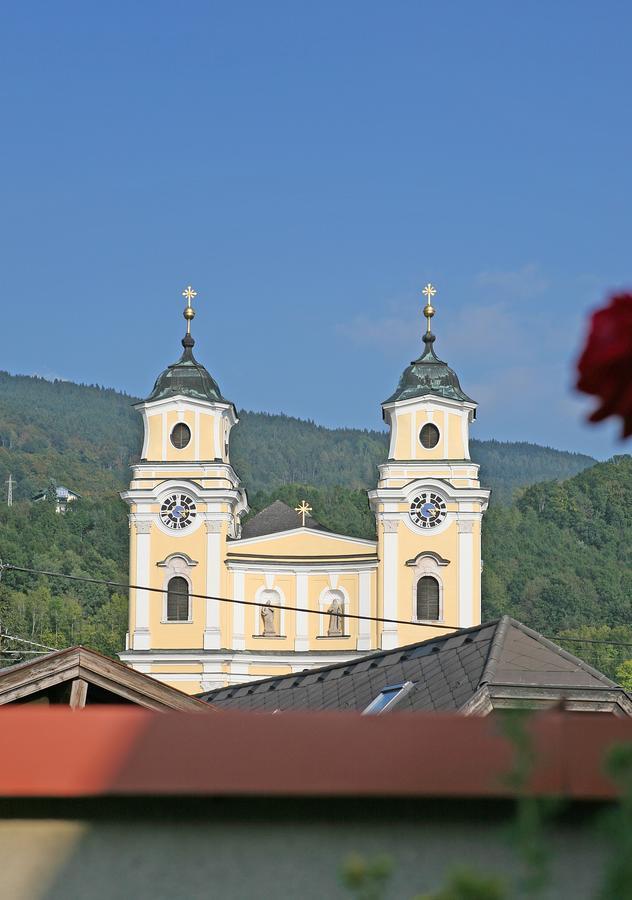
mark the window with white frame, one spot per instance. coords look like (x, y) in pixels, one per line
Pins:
(428, 595)
(178, 600)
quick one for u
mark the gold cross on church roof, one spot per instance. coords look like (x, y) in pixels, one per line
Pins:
(303, 509)
(429, 291)
(189, 313)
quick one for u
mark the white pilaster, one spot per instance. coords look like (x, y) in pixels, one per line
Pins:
(238, 673)
(301, 642)
(212, 629)
(164, 436)
(196, 434)
(141, 639)
(217, 436)
(389, 634)
(239, 613)
(466, 574)
(211, 674)
(364, 609)
(465, 434)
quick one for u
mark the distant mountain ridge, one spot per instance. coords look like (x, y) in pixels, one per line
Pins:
(86, 436)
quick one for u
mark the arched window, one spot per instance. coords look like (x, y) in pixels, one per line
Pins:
(427, 598)
(178, 600)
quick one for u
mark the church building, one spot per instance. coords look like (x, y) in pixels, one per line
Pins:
(216, 601)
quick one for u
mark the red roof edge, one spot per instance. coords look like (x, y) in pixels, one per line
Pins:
(118, 751)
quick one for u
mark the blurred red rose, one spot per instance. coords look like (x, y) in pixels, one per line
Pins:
(605, 366)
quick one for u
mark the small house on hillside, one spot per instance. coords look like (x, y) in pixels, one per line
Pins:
(64, 496)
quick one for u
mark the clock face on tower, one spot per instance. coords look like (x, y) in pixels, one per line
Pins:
(178, 511)
(428, 510)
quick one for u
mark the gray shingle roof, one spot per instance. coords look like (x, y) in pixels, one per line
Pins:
(277, 517)
(446, 671)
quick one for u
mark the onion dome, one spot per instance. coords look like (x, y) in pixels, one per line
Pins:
(428, 374)
(187, 377)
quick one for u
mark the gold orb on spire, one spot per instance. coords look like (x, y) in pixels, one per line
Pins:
(189, 313)
(429, 291)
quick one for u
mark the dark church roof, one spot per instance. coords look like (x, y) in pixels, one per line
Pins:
(429, 375)
(187, 377)
(277, 517)
(502, 659)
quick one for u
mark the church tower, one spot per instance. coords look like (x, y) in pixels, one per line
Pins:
(428, 503)
(185, 502)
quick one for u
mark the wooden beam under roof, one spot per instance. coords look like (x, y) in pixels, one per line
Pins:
(59, 678)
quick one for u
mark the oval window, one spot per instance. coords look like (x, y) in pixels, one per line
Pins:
(429, 436)
(180, 436)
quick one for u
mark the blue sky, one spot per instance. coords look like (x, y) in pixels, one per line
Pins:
(308, 167)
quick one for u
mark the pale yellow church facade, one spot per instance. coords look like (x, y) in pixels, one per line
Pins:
(214, 601)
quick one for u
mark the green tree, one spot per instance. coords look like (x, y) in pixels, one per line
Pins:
(624, 674)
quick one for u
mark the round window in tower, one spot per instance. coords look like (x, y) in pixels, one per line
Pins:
(429, 436)
(180, 436)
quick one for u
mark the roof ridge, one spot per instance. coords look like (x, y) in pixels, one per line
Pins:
(495, 650)
(551, 645)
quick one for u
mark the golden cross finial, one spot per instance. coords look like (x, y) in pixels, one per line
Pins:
(429, 291)
(303, 509)
(189, 313)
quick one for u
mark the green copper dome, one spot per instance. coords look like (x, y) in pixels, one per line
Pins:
(429, 375)
(187, 377)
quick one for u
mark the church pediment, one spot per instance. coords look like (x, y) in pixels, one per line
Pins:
(301, 544)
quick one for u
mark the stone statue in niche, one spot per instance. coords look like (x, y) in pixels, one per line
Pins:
(267, 618)
(336, 612)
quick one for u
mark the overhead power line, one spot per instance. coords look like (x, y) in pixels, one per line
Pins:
(9, 567)
(12, 637)
(562, 637)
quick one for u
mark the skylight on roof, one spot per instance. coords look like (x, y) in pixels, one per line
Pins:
(387, 698)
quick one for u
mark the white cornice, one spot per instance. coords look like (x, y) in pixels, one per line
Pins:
(313, 532)
(451, 465)
(285, 567)
(401, 494)
(306, 659)
(210, 465)
(166, 404)
(154, 495)
(426, 399)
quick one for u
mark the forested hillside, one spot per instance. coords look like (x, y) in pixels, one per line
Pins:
(86, 437)
(559, 559)
(91, 540)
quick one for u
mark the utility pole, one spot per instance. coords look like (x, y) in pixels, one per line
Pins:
(9, 482)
